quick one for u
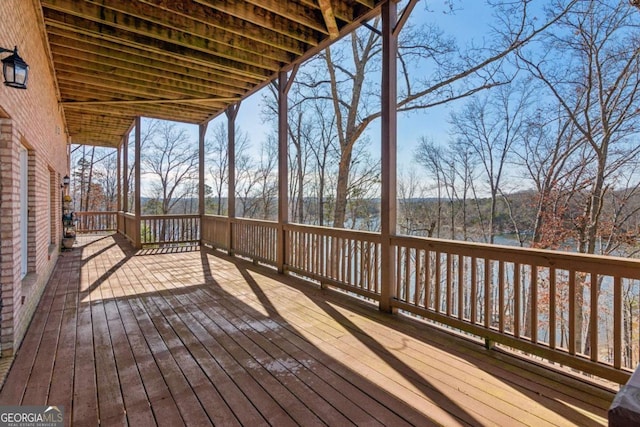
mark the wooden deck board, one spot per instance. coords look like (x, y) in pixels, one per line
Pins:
(192, 338)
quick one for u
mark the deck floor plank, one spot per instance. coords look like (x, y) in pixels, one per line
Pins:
(190, 337)
(61, 389)
(477, 393)
(343, 386)
(15, 385)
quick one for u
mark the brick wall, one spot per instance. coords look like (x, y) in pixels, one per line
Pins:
(30, 118)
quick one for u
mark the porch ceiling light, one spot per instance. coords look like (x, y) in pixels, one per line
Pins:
(14, 69)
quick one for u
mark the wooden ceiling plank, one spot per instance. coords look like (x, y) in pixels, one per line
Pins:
(101, 20)
(176, 51)
(233, 25)
(110, 83)
(120, 77)
(111, 127)
(143, 59)
(266, 19)
(135, 109)
(106, 133)
(293, 11)
(186, 101)
(170, 53)
(66, 58)
(203, 33)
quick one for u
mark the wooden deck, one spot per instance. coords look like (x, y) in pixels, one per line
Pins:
(171, 338)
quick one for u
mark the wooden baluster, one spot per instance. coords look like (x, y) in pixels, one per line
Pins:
(487, 293)
(416, 289)
(617, 322)
(449, 279)
(461, 287)
(572, 312)
(534, 304)
(593, 315)
(438, 284)
(517, 295)
(501, 286)
(552, 307)
(427, 281)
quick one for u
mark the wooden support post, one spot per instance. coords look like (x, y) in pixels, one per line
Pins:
(388, 152)
(125, 173)
(119, 178)
(232, 113)
(202, 131)
(284, 84)
(119, 186)
(283, 169)
(137, 240)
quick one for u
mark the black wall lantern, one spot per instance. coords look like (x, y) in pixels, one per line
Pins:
(65, 181)
(14, 69)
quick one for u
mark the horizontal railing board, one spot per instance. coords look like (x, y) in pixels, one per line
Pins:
(625, 267)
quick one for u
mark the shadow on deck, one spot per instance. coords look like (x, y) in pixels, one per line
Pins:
(198, 338)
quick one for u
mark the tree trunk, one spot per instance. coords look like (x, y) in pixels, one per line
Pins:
(342, 188)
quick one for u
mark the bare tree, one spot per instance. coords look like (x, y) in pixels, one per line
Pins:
(171, 160)
(596, 84)
(491, 125)
(432, 158)
(352, 87)
(415, 217)
(218, 160)
(94, 185)
(148, 132)
(555, 160)
(257, 188)
(323, 152)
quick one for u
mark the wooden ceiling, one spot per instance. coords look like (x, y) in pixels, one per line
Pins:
(183, 60)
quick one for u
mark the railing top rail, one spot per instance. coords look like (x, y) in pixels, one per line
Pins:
(217, 217)
(336, 232)
(83, 213)
(263, 222)
(599, 264)
(172, 216)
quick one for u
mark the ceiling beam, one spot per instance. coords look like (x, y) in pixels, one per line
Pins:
(329, 18)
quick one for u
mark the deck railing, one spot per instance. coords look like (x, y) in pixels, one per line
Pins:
(215, 231)
(578, 310)
(129, 227)
(343, 258)
(534, 301)
(169, 229)
(91, 222)
(255, 239)
(565, 307)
